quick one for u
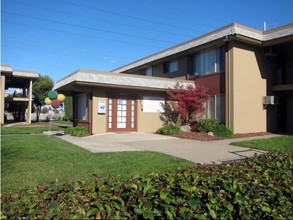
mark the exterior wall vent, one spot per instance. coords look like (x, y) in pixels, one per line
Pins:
(270, 52)
(270, 100)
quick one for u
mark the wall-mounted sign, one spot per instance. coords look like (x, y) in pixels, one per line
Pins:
(101, 107)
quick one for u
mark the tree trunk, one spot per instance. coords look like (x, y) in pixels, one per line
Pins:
(179, 121)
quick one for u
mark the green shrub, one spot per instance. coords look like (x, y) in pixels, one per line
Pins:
(212, 125)
(76, 131)
(169, 130)
(207, 125)
(222, 131)
(257, 188)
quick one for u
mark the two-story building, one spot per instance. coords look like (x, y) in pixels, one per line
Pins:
(249, 74)
(20, 103)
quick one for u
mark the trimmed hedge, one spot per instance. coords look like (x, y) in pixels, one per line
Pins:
(257, 188)
(169, 130)
(76, 131)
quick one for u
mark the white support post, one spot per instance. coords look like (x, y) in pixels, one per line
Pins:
(29, 107)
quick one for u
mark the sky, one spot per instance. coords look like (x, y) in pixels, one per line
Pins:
(57, 37)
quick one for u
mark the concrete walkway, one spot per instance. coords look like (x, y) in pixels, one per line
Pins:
(192, 150)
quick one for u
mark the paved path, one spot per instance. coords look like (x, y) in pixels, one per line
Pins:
(192, 150)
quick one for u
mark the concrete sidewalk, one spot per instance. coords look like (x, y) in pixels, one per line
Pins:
(192, 150)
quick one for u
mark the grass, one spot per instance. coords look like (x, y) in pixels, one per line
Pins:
(62, 122)
(30, 160)
(29, 130)
(275, 143)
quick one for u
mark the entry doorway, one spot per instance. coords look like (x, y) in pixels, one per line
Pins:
(122, 114)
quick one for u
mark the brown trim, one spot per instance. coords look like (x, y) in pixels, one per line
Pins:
(206, 75)
(128, 128)
(214, 82)
(83, 123)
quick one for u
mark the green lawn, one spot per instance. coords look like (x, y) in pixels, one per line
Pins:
(275, 143)
(61, 122)
(30, 160)
(29, 130)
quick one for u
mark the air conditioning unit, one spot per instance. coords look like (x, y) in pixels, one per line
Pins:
(270, 100)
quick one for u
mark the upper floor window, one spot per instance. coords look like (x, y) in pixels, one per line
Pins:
(209, 61)
(170, 66)
(149, 71)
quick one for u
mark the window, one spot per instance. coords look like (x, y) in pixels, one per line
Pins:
(209, 61)
(149, 71)
(82, 107)
(215, 108)
(170, 66)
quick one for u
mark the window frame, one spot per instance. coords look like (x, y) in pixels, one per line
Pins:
(218, 65)
(171, 66)
(215, 108)
(86, 110)
(149, 71)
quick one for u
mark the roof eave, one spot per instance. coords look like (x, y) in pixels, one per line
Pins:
(233, 31)
(94, 78)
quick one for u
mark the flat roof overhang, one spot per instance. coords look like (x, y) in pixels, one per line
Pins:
(17, 78)
(91, 78)
(230, 32)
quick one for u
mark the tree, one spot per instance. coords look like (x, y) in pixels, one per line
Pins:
(68, 108)
(188, 101)
(41, 87)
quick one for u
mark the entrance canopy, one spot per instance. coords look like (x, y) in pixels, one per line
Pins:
(83, 77)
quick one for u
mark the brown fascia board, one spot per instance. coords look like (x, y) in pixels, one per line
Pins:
(233, 31)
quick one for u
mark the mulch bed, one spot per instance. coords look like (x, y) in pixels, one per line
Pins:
(202, 136)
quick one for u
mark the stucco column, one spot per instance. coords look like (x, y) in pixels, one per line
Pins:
(29, 107)
(2, 98)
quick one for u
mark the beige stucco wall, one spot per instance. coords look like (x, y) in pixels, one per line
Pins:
(99, 120)
(248, 89)
(146, 121)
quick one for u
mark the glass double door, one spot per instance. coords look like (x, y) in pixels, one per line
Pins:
(121, 114)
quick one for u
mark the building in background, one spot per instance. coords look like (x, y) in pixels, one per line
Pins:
(20, 100)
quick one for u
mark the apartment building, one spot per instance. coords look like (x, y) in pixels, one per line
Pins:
(249, 74)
